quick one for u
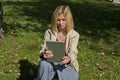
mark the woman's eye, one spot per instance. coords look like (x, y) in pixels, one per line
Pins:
(58, 19)
(63, 20)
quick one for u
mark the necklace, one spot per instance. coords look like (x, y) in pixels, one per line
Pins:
(61, 36)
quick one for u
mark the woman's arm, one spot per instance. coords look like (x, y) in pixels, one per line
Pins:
(46, 37)
(73, 51)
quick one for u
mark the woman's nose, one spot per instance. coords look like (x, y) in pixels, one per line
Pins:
(60, 22)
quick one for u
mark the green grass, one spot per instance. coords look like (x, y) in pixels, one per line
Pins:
(25, 21)
(19, 53)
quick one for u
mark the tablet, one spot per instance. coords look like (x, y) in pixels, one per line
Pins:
(58, 50)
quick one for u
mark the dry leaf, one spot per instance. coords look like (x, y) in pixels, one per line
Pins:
(103, 67)
(15, 62)
(18, 74)
(8, 71)
(86, 65)
(1, 73)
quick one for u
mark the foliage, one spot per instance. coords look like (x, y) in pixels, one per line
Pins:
(25, 21)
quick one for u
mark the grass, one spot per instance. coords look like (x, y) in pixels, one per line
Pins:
(25, 23)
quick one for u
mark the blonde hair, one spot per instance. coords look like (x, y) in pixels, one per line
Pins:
(65, 10)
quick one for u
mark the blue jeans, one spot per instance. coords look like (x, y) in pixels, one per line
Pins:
(48, 70)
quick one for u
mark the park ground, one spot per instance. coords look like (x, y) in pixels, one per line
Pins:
(24, 23)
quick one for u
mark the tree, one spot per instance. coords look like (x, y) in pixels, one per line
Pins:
(1, 22)
(116, 1)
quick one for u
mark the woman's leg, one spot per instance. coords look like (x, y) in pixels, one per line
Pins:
(66, 73)
(46, 71)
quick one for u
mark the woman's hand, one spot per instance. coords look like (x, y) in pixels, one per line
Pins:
(65, 60)
(47, 54)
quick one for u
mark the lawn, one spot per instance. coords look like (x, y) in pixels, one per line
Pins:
(24, 23)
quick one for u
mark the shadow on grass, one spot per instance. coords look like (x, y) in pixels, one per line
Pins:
(27, 70)
(89, 17)
(94, 20)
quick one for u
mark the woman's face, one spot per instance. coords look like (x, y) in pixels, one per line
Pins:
(61, 22)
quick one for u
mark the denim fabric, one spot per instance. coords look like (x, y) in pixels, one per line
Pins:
(47, 71)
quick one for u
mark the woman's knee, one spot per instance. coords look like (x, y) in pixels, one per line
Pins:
(45, 64)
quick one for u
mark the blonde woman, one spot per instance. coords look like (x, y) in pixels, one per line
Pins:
(62, 30)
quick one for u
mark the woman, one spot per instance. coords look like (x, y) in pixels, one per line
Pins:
(62, 30)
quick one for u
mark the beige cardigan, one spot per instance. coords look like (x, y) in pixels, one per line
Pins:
(71, 45)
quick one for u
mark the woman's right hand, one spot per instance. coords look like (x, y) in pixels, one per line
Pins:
(47, 54)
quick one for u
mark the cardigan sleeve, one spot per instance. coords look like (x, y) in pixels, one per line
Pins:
(73, 51)
(46, 37)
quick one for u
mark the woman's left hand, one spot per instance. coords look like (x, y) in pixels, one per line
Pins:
(65, 60)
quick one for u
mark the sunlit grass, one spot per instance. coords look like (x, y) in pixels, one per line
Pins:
(25, 23)
(14, 49)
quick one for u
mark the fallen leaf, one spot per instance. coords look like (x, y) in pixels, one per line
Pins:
(7, 71)
(102, 53)
(15, 62)
(18, 74)
(1, 73)
(103, 67)
(86, 65)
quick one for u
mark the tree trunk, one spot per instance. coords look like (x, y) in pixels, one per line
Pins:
(1, 22)
(116, 1)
